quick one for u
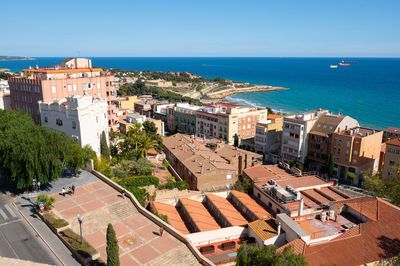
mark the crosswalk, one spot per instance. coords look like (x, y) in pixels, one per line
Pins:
(7, 213)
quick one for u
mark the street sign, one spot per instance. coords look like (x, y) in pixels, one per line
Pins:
(41, 204)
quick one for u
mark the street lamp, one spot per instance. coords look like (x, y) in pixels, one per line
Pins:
(80, 220)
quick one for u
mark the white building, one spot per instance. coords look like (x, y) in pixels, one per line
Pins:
(79, 117)
(295, 131)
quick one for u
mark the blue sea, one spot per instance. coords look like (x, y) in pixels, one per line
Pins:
(369, 91)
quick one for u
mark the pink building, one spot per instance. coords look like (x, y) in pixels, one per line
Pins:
(75, 76)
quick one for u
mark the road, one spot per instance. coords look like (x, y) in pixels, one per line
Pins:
(17, 238)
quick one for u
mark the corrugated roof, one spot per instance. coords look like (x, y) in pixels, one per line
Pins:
(174, 219)
(199, 215)
(227, 210)
(251, 204)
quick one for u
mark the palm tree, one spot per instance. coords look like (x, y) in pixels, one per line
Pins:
(131, 141)
(146, 143)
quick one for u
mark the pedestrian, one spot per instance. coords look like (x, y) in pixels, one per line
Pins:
(123, 193)
(63, 191)
(161, 231)
(73, 189)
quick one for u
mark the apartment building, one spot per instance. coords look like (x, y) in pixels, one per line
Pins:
(356, 150)
(320, 137)
(5, 99)
(207, 165)
(295, 131)
(268, 135)
(392, 132)
(185, 118)
(224, 120)
(75, 76)
(126, 103)
(391, 166)
(79, 117)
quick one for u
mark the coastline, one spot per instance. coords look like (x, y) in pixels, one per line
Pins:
(227, 92)
(4, 69)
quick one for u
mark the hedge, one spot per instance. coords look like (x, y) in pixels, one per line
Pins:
(181, 185)
(139, 181)
(55, 221)
(75, 241)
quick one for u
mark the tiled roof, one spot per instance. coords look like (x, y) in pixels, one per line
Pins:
(199, 215)
(302, 182)
(273, 116)
(331, 194)
(395, 130)
(264, 173)
(174, 219)
(251, 204)
(394, 142)
(373, 241)
(316, 196)
(227, 210)
(327, 124)
(264, 229)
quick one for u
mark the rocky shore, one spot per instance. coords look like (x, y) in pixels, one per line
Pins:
(226, 92)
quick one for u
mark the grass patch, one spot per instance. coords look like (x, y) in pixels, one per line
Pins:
(55, 221)
(85, 250)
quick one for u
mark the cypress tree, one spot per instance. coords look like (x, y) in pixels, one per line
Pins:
(104, 150)
(112, 247)
(236, 140)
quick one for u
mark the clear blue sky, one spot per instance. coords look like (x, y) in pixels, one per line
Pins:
(284, 28)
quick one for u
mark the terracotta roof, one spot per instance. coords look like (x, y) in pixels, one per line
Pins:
(227, 210)
(302, 182)
(67, 70)
(394, 142)
(199, 215)
(383, 147)
(373, 241)
(264, 173)
(313, 194)
(394, 130)
(326, 191)
(251, 204)
(174, 219)
(264, 229)
(273, 116)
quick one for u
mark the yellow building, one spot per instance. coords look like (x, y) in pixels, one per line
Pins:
(392, 159)
(127, 102)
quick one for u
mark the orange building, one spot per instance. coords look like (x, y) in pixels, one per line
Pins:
(355, 150)
(392, 159)
(75, 76)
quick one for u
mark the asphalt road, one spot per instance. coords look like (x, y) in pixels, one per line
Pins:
(17, 238)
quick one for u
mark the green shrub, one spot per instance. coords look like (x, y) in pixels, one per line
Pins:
(181, 185)
(165, 163)
(55, 221)
(108, 172)
(48, 202)
(162, 217)
(140, 194)
(85, 250)
(351, 175)
(139, 181)
(120, 173)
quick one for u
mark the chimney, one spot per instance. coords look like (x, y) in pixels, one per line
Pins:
(301, 205)
(279, 228)
(240, 165)
(245, 161)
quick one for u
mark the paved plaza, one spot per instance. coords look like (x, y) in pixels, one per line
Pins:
(138, 237)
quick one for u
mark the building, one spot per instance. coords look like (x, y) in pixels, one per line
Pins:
(185, 118)
(295, 131)
(79, 117)
(126, 103)
(268, 137)
(392, 132)
(5, 99)
(75, 76)
(224, 120)
(320, 137)
(391, 166)
(132, 119)
(158, 83)
(206, 165)
(146, 107)
(355, 150)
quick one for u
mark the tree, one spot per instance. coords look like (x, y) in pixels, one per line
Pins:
(253, 255)
(236, 140)
(78, 157)
(112, 247)
(331, 166)
(383, 187)
(104, 150)
(150, 128)
(145, 144)
(142, 167)
(28, 151)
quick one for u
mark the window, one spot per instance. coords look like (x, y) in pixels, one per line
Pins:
(69, 87)
(107, 83)
(53, 89)
(391, 162)
(59, 122)
(74, 124)
(249, 119)
(248, 126)
(46, 119)
(98, 85)
(75, 88)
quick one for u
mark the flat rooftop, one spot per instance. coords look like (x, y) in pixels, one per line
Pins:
(229, 212)
(358, 132)
(199, 215)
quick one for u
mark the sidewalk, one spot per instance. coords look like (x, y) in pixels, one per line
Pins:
(26, 202)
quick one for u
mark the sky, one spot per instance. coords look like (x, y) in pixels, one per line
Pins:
(264, 28)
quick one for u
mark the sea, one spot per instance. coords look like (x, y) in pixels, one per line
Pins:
(368, 90)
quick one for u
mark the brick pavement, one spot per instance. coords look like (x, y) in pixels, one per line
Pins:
(138, 237)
